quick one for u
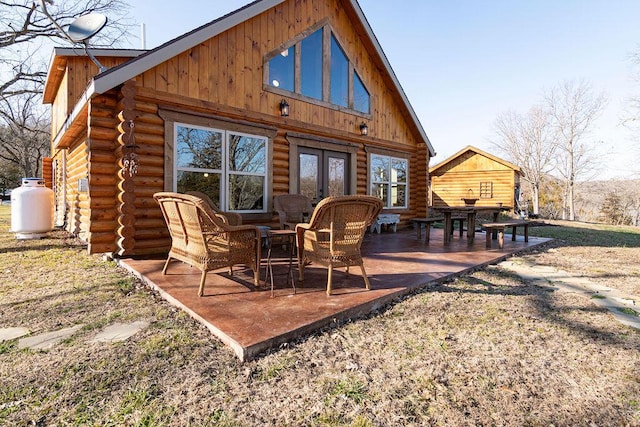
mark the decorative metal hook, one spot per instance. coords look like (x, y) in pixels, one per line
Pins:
(130, 161)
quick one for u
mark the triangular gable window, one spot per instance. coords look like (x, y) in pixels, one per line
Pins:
(314, 67)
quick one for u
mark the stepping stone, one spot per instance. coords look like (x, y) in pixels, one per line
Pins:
(47, 340)
(8, 334)
(119, 331)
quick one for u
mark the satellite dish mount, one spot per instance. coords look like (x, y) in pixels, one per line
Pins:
(85, 27)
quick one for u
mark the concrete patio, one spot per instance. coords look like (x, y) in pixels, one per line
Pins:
(250, 321)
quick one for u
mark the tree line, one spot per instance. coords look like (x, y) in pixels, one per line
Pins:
(28, 32)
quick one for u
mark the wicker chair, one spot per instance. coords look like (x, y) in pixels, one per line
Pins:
(231, 218)
(290, 208)
(334, 234)
(201, 238)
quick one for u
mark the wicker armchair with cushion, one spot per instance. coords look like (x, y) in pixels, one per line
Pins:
(201, 238)
(335, 232)
(231, 218)
(291, 209)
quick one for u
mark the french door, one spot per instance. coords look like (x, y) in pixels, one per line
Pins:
(322, 173)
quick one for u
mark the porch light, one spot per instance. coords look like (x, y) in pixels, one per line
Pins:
(364, 129)
(284, 108)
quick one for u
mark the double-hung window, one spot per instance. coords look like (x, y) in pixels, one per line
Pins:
(230, 167)
(389, 180)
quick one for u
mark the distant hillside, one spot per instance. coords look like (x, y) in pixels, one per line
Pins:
(591, 195)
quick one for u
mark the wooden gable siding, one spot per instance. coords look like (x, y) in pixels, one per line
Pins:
(78, 73)
(452, 181)
(60, 107)
(228, 70)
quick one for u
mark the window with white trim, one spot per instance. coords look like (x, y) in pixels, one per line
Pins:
(389, 180)
(230, 167)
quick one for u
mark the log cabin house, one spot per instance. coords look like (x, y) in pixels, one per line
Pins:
(473, 173)
(280, 96)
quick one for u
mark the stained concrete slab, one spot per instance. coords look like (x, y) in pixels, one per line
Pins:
(49, 339)
(251, 319)
(119, 332)
(7, 334)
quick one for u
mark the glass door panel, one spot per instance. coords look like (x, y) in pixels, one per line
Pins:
(309, 175)
(335, 176)
(322, 173)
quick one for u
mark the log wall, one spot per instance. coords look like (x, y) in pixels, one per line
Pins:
(102, 173)
(221, 77)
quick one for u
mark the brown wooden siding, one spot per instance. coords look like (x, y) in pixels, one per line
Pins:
(228, 70)
(77, 203)
(450, 187)
(47, 171)
(60, 107)
(79, 71)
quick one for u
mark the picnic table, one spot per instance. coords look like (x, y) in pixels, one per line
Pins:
(471, 212)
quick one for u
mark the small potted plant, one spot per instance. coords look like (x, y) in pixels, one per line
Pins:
(469, 199)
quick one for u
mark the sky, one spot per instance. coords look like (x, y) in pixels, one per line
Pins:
(462, 63)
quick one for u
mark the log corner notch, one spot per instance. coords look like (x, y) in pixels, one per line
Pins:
(126, 158)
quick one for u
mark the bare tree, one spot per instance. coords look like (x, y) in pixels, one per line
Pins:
(574, 109)
(529, 142)
(28, 30)
(24, 140)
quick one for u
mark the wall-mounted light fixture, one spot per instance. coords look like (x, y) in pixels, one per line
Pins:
(284, 108)
(364, 129)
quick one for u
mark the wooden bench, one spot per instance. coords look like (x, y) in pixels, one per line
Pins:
(499, 227)
(426, 223)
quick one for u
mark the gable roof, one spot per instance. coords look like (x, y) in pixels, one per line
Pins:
(115, 76)
(477, 151)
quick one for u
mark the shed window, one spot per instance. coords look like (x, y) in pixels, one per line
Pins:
(389, 180)
(317, 67)
(486, 190)
(230, 167)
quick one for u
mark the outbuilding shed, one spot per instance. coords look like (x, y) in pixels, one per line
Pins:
(476, 174)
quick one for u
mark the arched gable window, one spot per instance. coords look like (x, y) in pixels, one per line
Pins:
(315, 67)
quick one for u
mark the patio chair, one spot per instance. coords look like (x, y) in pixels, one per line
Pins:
(231, 218)
(291, 209)
(201, 238)
(335, 232)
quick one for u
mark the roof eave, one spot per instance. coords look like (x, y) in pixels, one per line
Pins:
(118, 75)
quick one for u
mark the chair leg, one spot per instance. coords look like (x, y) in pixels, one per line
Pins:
(256, 276)
(364, 276)
(166, 264)
(329, 277)
(301, 270)
(202, 279)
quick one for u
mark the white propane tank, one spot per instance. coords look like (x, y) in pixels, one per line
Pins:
(31, 209)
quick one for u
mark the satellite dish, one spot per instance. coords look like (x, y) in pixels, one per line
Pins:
(85, 27)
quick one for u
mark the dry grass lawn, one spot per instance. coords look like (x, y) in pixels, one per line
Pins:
(485, 349)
